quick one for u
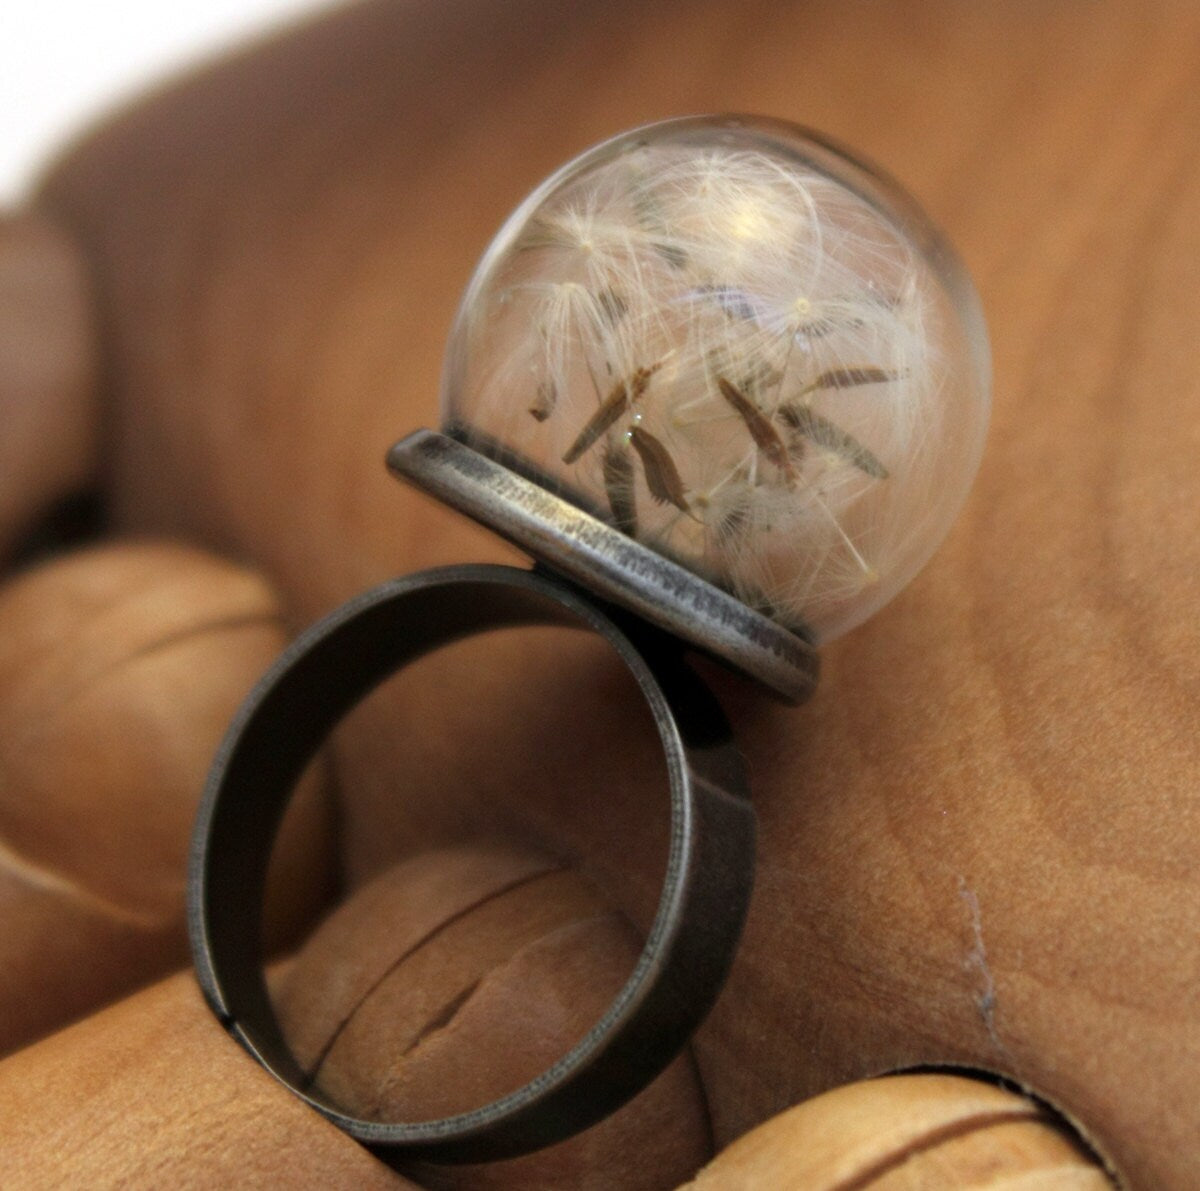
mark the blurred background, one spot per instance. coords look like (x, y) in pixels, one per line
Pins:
(62, 64)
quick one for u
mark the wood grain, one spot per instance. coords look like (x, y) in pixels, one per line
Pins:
(979, 841)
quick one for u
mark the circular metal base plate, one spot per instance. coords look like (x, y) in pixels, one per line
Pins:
(608, 563)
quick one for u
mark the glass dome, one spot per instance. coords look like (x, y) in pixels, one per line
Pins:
(741, 347)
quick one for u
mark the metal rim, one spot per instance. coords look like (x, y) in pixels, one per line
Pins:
(600, 558)
(705, 892)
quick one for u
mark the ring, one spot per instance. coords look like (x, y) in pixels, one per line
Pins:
(727, 387)
(706, 888)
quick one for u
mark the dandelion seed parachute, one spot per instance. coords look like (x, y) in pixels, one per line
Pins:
(765, 362)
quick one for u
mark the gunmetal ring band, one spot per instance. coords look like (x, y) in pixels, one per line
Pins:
(706, 889)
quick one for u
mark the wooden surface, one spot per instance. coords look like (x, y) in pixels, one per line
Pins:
(979, 840)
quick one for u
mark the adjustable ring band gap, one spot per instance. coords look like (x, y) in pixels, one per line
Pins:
(706, 887)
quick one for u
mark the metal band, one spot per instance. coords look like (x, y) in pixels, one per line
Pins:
(589, 551)
(705, 891)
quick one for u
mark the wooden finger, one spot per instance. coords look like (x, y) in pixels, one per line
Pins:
(907, 1133)
(459, 976)
(152, 1093)
(120, 668)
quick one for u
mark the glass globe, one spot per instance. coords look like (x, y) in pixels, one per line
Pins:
(741, 347)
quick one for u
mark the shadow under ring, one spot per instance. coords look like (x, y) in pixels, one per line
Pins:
(700, 913)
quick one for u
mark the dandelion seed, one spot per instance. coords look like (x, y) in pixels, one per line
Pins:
(848, 378)
(617, 402)
(618, 487)
(826, 434)
(662, 476)
(602, 420)
(765, 436)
